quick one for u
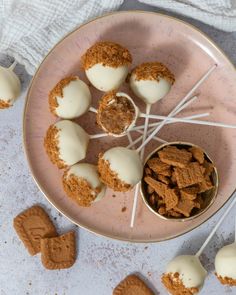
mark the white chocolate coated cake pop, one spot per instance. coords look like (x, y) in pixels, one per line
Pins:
(9, 87)
(70, 98)
(120, 168)
(184, 273)
(225, 265)
(106, 65)
(66, 143)
(151, 81)
(81, 183)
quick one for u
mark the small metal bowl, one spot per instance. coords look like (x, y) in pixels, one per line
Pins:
(209, 196)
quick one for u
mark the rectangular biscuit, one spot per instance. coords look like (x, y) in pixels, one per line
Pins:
(58, 252)
(173, 156)
(132, 285)
(189, 175)
(156, 165)
(31, 226)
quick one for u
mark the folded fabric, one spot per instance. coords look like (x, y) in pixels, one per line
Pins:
(29, 29)
(220, 14)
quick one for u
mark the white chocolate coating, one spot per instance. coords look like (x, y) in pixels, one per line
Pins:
(73, 142)
(126, 163)
(190, 269)
(150, 91)
(225, 261)
(90, 174)
(106, 78)
(76, 100)
(9, 85)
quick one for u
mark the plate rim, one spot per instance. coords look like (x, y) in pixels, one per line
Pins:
(49, 199)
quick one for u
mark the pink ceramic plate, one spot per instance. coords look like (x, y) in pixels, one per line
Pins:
(149, 37)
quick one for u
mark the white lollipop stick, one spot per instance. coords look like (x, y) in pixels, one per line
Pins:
(169, 122)
(94, 136)
(129, 138)
(155, 137)
(93, 110)
(12, 66)
(171, 114)
(148, 109)
(199, 122)
(157, 124)
(216, 227)
(185, 105)
(136, 192)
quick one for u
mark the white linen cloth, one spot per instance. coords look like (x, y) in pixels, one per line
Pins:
(29, 28)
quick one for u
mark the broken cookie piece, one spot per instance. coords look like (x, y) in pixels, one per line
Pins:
(159, 187)
(184, 207)
(171, 155)
(171, 198)
(197, 154)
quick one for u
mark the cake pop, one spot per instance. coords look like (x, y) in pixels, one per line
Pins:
(151, 81)
(81, 183)
(106, 65)
(9, 86)
(66, 143)
(184, 275)
(225, 264)
(70, 98)
(120, 168)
